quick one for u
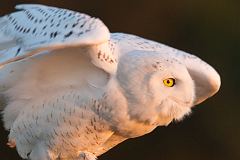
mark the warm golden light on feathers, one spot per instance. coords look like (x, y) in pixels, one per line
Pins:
(73, 90)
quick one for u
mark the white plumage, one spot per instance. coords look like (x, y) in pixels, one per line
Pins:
(72, 90)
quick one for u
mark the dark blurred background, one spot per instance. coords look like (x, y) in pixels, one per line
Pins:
(207, 28)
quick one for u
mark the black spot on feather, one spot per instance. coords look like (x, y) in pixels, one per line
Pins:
(68, 34)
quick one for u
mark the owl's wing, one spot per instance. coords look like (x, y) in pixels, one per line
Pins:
(47, 51)
(207, 80)
(37, 28)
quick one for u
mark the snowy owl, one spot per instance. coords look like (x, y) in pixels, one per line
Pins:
(70, 89)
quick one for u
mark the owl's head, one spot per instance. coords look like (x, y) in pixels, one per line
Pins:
(160, 88)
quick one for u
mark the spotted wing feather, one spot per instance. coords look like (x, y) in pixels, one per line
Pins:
(37, 27)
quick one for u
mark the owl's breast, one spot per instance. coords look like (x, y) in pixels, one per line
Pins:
(64, 125)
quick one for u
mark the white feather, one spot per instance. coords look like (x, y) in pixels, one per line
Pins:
(72, 90)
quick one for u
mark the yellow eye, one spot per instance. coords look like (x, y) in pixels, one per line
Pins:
(169, 82)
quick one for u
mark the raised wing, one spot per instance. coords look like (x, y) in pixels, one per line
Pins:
(36, 28)
(207, 80)
(56, 48)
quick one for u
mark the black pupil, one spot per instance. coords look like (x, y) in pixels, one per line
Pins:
(168, 81)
